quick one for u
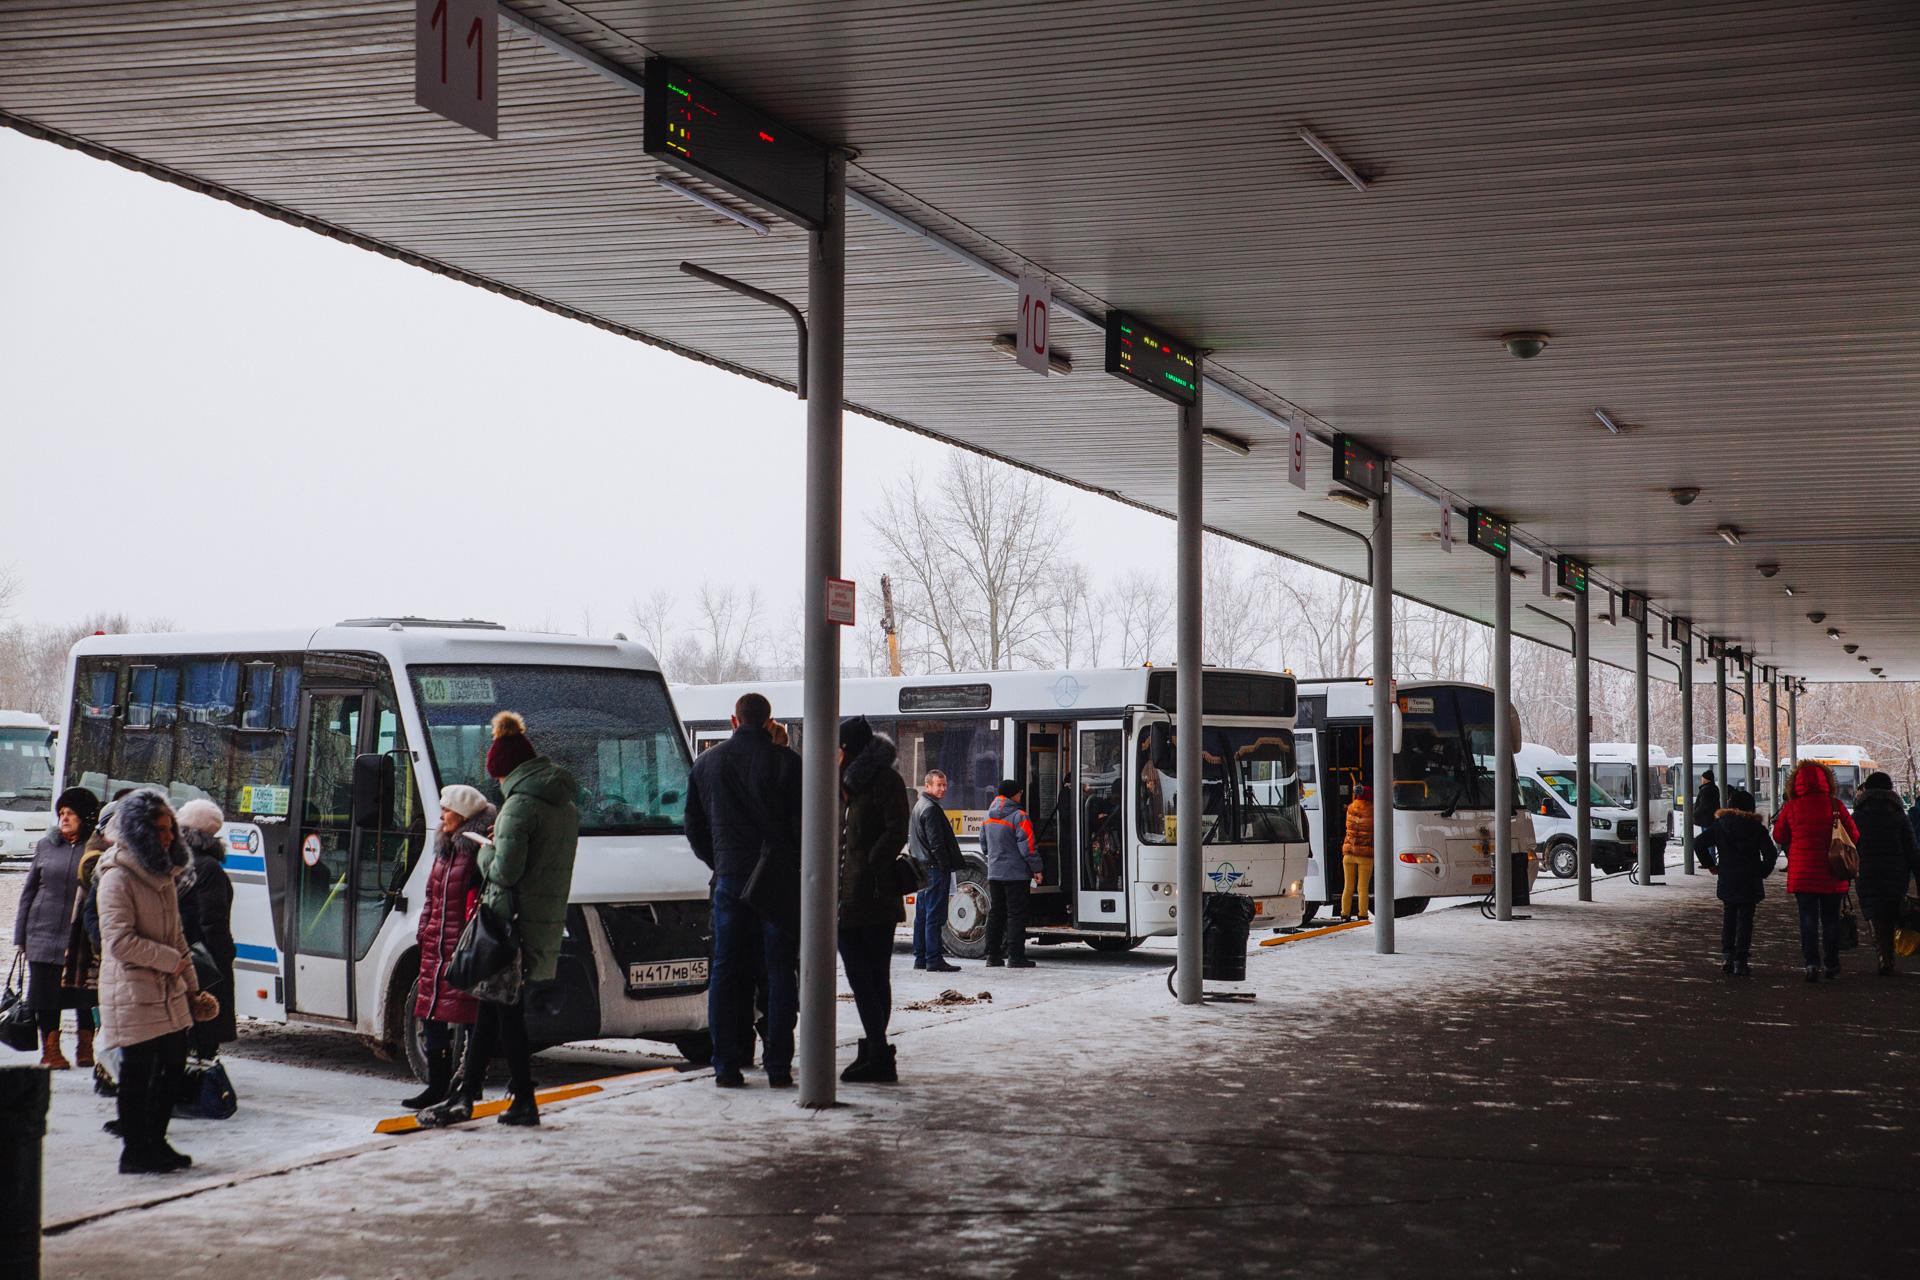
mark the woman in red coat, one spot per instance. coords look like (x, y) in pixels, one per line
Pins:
(452, 888)
(1804, 829)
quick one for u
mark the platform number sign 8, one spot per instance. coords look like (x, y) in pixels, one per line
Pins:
(1036, 308)
(456, 62)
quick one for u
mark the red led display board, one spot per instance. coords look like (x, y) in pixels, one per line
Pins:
(1488, 532)
(694, 126)
(1572, 574)
(1359, 468)
(1143, 355)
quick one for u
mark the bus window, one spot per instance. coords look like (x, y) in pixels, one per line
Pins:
(1445, 761)
(1617, 781)
(613, 730)
(1103, 829)
(1268, 789)
(146, 741)
(387, 853)
(333, 739)
(210, 688)
(1242, 772)
(1535, 800)
(262, 758)
(966, 750)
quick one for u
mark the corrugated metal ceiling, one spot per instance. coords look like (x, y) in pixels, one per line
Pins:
(1711, 207)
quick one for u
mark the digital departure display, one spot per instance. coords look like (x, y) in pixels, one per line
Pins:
(1143, 355)
(694, 126)
(1634, 605)
(1716, 647)
(1359, 468)
(1571, 574)
(1488, 532)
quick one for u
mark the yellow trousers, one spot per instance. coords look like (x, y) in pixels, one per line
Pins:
(1359, 872)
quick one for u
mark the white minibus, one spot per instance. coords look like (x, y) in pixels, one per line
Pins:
(326, 750)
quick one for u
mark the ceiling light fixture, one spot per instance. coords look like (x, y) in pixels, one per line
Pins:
(1327, 153)
(1525, 345)
(1816, 617)
(1789, 588)
(1346, 499)
(1606, 420)
(1851, 648)
(1879, 671)
(1833, 633)
(708, 202)
(1006, 345)
(1729, 535)
(1768, 568)
(1232, 444)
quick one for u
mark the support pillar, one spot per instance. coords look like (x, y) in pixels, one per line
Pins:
(1773, 745)
(1753, 777)
(819, 764)
(1793, 732)
(1190, 514)
(1687, 782)
(1643, 756)
(1503, 744)
(1720, 725)
(1583, 746)
(1385, 856)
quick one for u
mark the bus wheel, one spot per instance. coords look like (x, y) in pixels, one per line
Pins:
(1409, 906)
(1563, 859)
(966, 930)
(413, 1033)
(696, 1049)
(1114, 946)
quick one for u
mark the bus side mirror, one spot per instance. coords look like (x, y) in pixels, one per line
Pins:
(1160, 747)
(372, 790)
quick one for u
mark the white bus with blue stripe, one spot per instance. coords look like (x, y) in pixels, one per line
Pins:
(326, 750)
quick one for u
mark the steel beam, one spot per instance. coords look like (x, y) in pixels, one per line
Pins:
(1720, 726)
(1773, 745)
(1686, 753)
(1643, 755)
(1583, 742)
(1503, 743)
(820, 765)
(1190, 516)
(1384, 854)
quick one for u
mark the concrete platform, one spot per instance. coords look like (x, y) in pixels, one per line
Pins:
(1581, 1093)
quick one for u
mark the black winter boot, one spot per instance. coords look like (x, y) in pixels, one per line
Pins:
(1726, 962)
(857, 1069)
(1813, 973)
(523, 1110)
(439, 1081)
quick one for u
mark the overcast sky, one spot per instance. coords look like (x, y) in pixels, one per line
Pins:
(218, 419)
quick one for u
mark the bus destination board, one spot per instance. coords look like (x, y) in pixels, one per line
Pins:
(694, 126)
(1572, 575)
(1143, 355)
(1359, 468)
(1634, 605)
(1488, 532)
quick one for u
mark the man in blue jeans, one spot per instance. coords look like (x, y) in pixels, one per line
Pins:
(930, 837)
(743, 800)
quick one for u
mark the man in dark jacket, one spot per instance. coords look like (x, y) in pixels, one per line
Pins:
(1889, 859)
(873, 835)
(1706, 803)
(1737, 849)
(743, 799)
(930, 836)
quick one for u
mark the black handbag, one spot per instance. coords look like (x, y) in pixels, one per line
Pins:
(19, 1030)
(206, 1091)
(908, 876)
(488, 946)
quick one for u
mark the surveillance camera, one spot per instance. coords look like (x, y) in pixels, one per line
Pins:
(1851, 648)
(1684, 495)
(1768, 569)
(1524, 346)
(1816, 617)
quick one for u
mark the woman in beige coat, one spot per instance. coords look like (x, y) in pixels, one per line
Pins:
(148, 989)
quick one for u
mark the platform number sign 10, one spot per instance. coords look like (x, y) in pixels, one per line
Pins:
(456, 61)
(1036, 308)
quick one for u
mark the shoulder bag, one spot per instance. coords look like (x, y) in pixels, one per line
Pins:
(18, 1030)
(1843, 858)
(488, 947)
(206, 1091)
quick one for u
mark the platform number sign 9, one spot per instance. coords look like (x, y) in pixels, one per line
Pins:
(1036, 308)
(456, 61)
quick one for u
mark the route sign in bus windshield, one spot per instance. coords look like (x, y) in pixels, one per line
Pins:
(694, 126)
(1143, 355)
(1359, 468)
(1488, 532)
(1572, 575)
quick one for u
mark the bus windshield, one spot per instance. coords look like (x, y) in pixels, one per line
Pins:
(1846, 783)
(26, 770)
(1250, 789)
(613, 730)
(1446, 746)
(1566, 785)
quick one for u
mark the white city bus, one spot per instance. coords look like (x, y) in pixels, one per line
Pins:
(1616, 769)
(1706, 755)
(26, 782)
(1095, 749)
(327, 749)
(1850, 764)
(1442, 787)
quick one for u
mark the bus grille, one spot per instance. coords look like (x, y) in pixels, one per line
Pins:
(655, 931)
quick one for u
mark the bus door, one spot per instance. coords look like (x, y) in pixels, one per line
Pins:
(353, 843)
(1049, 802)
(1100, 817)
(1349, 765)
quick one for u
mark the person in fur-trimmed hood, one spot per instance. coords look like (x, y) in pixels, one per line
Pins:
(1889, 860)
(149, 994)
(1736, 847)
(873, 831)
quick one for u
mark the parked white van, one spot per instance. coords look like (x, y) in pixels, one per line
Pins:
(1548, 786)
(26, 783)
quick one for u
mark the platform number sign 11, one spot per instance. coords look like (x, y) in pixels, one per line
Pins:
(456, 61)
(1036, 309)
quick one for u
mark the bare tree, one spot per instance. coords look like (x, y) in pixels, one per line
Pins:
(971, 559)
(1325, 621)
(1140, 608)
(1237, 617)
(724, 637)
(34, 660)
(1071, 623)
(653, 619)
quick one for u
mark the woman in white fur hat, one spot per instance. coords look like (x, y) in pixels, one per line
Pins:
(453, 887)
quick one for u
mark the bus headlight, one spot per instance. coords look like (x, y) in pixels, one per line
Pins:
(1419, 858)
(1600, 824)
(1294, 889)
